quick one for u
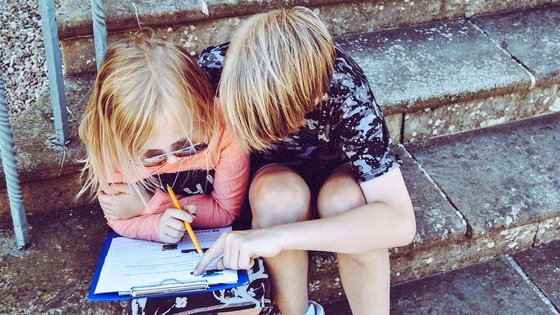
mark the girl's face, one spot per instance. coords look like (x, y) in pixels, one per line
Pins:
(171, 143)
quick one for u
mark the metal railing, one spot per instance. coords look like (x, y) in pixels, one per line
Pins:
(54, 70)
(9, 163)
(58, 101)
(99, 30)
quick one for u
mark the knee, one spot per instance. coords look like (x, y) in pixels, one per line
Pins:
(279, 199)
(339, 196)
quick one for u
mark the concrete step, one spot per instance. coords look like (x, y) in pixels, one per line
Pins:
(49, 173)
(463, 73)
(451, 76)
(197, 24)
(524, 283)
(431, 80)
(477, 195)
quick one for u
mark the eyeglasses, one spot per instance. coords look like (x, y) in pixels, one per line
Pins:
(151, 160)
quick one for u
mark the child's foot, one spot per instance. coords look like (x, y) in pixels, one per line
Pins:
(315, 309)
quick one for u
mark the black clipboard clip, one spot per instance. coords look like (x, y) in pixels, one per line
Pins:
(169, 286)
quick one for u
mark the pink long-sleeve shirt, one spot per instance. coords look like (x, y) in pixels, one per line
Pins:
(216, 183)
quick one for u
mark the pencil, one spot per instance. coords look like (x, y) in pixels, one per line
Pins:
(187, 225)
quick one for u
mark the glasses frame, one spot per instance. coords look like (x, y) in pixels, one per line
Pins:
(161, 159)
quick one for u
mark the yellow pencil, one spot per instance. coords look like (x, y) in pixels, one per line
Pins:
(187, 225)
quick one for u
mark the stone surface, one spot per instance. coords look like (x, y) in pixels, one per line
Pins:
(548, 230)
(481, 113)
(437, 224)
(54, 275)
(195, 31)
(37, 154)
(49, 174)
(341, 18)
(532, 37)
(449, 255)
(22, 61)
(436, 219)
(434, 64)
(489, 288)
(40, 197)
(74, 17)
(499, 177)
(459, 8)
(542, 266)
(324, 280)
(79, 57)
(337, 307)
(394, 124)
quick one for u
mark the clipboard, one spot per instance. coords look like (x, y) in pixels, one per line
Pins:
(168, 287)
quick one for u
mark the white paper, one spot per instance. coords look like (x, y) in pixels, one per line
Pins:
(130, 263)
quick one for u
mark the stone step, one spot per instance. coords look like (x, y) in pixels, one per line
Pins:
(197, 24)
(523, 283)
(451, 76)
(477, 195)
(432, 79)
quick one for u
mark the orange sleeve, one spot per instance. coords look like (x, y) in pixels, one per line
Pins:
(218, 209)
(146, 225)
(231, 181)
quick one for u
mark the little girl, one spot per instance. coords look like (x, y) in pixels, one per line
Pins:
(152, 122)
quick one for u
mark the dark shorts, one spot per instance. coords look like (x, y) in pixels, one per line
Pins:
(256, 294)
(314, 182)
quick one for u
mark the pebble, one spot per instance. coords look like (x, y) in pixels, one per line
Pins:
(22, 55)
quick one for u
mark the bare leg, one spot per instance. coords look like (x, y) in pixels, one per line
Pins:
(278, 195)
(365, 277)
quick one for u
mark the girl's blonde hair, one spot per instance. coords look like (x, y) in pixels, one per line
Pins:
(278, 66)
(141, 82)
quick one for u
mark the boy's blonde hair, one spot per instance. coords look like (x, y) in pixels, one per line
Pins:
(141, 82)
(278, 66)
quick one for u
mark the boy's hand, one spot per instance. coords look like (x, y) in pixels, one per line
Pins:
(171, 225)
(239, 248)
(121, 201)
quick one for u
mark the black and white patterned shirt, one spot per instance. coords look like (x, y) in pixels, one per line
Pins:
(348, 126)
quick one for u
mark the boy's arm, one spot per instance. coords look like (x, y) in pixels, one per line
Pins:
(386, 221)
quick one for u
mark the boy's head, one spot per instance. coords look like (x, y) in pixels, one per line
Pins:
(141, 83)
(278, 67)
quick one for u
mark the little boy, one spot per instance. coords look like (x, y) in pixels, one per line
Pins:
(320, 147)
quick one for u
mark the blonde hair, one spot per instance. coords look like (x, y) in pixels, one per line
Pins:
(277, 67)
(141, 82)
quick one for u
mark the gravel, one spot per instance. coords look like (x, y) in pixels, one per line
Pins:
(22, 54)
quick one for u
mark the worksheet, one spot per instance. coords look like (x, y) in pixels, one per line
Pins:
(134, 263)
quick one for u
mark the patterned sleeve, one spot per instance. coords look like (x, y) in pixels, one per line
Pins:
(362, 131)
(211, 61)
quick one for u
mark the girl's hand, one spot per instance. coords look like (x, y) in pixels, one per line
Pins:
(239, 248)
(121, 201)
(171, 225)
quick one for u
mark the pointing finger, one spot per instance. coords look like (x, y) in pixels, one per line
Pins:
(214, 251)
